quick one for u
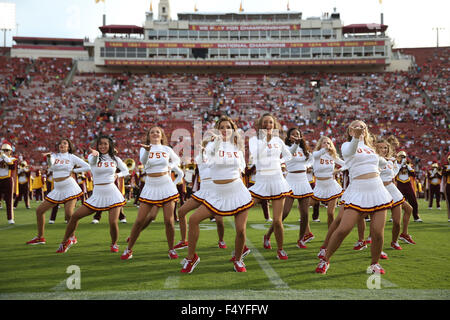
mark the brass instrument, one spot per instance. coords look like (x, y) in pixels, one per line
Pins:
(23, 165)
(130, 164)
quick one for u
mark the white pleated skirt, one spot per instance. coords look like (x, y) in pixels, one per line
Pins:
(105, 197)
(367, 195)
(270, 187)
(326, 190)
(299, 184)
(64, 191)
(397, 196)
(159, 190)
(205, 188)
(228, 199)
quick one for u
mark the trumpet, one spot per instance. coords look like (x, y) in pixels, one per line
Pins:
(23, 165)
(130, 164)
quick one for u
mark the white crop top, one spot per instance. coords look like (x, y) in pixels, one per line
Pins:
(324, 163)
(104, 171)
(203, 165)
(267, 155)
(389, 171)
(61, 164)
(225, 159)
(159, 159)
(298, 161)
(360, 159)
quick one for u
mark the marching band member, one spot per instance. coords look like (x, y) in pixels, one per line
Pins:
(446, 185)
(434, 177)
(105, 197)
(8, 172)
(405, 183)
(23, 178)
(66, 190)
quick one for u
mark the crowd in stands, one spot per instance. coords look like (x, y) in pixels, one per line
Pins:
(37, 108)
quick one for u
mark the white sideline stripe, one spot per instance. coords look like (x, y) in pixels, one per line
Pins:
(229, 295)
(172, 282)
(59, 287)
(271, 274)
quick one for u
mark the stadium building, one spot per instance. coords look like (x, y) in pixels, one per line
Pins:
(268, 41)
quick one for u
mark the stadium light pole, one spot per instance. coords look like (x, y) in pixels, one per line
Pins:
(437, 35)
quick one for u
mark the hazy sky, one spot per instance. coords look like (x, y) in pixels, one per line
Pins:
(410, 22)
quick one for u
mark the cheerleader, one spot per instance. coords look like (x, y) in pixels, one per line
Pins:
(227, 195)
(159, 190)
(365, 194)
(197, 199)
(387, 174)
(298, 181)
(327, 189)
(105, 196)
(270, 184)
(65, 189)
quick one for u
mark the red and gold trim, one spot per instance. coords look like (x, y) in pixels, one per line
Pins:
(159, 203)
(197, 198)
(63, 201)
(328, 199)
(301, 196)
(119, 204)
(369, 210)
(279, 196)
(228, 213)
(398, 203)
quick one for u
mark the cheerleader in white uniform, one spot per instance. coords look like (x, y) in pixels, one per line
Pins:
(66, 190)
(105, 196)
(227, 196)
(327, 189)
(365, 194)
(387, 174)
(298, 181)
(266, 151)
(159, 190)
(197, 199)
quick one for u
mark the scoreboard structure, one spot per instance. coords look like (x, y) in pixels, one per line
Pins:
(273, 40)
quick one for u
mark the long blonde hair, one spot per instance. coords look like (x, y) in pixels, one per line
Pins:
(277, 125)
(332, 151)
(163, 136)
(368, 140)
(390, 152)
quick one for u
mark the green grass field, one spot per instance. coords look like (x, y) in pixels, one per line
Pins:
(36, 272)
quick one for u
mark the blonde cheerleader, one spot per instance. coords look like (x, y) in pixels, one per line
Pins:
(105, 196)
(227, 196)
(159, 190)
(327, 189)
(266, 150)
(365, 194)
(197, 199)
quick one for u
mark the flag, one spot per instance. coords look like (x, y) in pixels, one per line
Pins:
(240, 8)
(288, 6)
(380, 1)
(195, 8)
(97, 1)
(151, 6)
